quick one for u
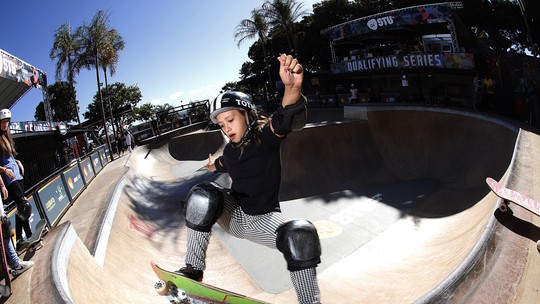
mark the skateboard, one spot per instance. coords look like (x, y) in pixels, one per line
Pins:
(511, 196)
(4, 265)
(35, 241)
(180, 289)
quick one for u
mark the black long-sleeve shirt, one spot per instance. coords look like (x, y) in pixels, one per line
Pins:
(255, 171)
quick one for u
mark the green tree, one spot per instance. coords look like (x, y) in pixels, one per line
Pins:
(256, 27)
(39, 113)
(144, 112)
(283, 14)
(67, 50)
(119, 95)
(96, 41)
(230, 86)
(109, 60)
(61, 93)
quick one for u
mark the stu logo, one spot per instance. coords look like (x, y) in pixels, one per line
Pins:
(374, 24)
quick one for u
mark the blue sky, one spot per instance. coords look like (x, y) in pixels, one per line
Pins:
(175, 50)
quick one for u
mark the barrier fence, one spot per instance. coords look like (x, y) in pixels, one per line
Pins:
(52, 197)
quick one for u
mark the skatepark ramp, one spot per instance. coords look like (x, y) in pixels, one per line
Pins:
(399, 198)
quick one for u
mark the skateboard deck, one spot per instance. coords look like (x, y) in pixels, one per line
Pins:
(180, 289)
(511, 196)
(34, 242)
(4, 265)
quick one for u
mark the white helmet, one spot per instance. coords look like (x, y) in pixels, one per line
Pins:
(231, 100)
(5, 114)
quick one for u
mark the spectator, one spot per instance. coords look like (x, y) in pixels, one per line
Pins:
(478, 87)
(354, 94)
(12, 172)
(488, 99)
(404, 87)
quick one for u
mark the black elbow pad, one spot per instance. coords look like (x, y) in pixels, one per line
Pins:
(290, 118)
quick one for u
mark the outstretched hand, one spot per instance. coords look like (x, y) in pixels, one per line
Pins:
(210, 165)
(292, 76)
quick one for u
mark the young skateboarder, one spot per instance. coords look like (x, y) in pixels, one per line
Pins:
(12, 171)
(250, 209)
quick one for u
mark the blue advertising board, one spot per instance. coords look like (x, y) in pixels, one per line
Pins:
(54, 199)
(87, 169)
(96, 162)
(34, 217)
(103, 156)
(74, 181)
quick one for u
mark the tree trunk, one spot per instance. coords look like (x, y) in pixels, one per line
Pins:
(103, 111)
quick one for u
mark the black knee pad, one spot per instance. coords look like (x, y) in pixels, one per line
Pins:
(203, 207)
(6, 227)
(24, 210)
(299, 242)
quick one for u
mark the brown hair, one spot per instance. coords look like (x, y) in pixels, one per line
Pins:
(255, 135)
(7, 144)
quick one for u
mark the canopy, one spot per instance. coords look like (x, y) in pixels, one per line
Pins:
(415, 17)
(16, 78)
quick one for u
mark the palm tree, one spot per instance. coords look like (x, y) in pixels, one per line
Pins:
(109, 59)
(283, 14)
(66, 50)
(95, 38)
(256, 27)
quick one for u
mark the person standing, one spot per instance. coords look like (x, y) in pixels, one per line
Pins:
(489, 93)
(12, 171)
(251, 209)
(118, 141)
(354, 94)
(404, 87)
(127, 136)
(11, 255)
(478, 87)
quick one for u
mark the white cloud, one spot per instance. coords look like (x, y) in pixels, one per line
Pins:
(207, 91)
(156, 102)
(176, 95)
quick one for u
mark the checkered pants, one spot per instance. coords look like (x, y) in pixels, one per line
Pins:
(260, 229)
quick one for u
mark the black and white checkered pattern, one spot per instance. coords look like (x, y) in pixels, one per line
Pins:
(260, 229)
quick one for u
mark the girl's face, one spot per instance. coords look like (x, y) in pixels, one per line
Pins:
(233, 124)
(4, 124)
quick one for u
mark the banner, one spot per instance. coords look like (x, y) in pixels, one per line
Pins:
(54, 199)
(31, 126)
(462, 61)
(17, 70)
(74, 180)
(412, 16)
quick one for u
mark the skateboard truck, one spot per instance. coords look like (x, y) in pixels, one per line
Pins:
(508, 196)
(175, 295)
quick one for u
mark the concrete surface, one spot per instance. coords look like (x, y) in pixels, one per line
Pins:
(399, 200)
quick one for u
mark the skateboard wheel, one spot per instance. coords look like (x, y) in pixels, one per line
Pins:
(538, 245)
(161, 288)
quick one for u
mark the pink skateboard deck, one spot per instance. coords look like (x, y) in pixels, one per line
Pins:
(512, 196)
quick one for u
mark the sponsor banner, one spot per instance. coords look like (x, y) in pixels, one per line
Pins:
(103, 155)
(412, 16)
(142, 135)
(74, 180)
(87, 169)
(17, 70)
(165, 127)
(54, 198)
(96, 162)
(30, 126)
(34, 217)
(464, 61)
